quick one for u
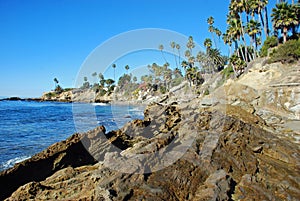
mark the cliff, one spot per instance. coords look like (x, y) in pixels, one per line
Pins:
(240, 142)
(77, 95)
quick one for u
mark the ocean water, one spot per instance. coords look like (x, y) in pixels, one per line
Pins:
(28, 127)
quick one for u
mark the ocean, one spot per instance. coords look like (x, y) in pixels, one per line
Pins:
(28, 127)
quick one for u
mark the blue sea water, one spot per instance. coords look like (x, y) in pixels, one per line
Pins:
(28, 127)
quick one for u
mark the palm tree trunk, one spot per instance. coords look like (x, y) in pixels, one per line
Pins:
(243, 36)
(162, 53)
(284, 34)
(255, 43)
(115, 74)
(179, 57)
(175, 58)
(241, 54)
(212, 36)
(234, 70)
(263, 23)
(236, 45)
(266, 25)
(252, 45)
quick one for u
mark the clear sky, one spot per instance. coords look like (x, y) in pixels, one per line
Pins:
(44, 39)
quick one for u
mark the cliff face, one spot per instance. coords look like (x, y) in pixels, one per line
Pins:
(233, 144)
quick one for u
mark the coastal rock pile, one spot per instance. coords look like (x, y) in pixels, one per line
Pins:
(216, 147)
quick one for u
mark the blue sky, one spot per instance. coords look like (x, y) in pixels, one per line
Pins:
(44, 39)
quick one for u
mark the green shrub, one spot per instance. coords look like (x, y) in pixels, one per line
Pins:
(68, 89)
(288, 52)
(227, 72)
(111, 89)
(162, 89)
(177, 81)
(51, 95)
(58, 89)
(206, 92)
(270, 42)
(102, 92)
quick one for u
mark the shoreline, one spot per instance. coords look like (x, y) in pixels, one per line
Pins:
(12, 99)
(111, 102)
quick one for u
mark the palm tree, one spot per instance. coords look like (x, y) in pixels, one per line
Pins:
(201, 58)
(55, 82)
(102, 80)
(236, 31)
(114, 67)
(191, 61)
(211, 28)
(173, 45)
(178, 49)
(207, 43)
(187, 54)
(218, 33)
(184, 65)
(109, 82)
(210, 21)
(253, 29)
(127, 68)
(190, 44)
(259, 7)
(233, 30)
(284, 17)
(161, 48)
(227, 38)
(216, 58)
(235, 13)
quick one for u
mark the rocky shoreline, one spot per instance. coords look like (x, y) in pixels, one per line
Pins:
(240, 142)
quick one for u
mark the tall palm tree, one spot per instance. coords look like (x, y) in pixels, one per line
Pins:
(55, 82)
(211, 28)
(253, 29)
(218, 33)
(207, 43)
(201, 58)
(190, 44)
(284, 18)
(178, 49)
(235, 12)
(259, 7)
(227, 38)
(173, 45)
(127, 68)
(216, 58)
(187, 54)
(114, 67)
(184, 65)
(161, 48)
(191, 61)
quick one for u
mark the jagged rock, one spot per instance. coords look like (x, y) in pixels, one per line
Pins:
(229, 156)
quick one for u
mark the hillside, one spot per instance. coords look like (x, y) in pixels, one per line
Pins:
(239, 142)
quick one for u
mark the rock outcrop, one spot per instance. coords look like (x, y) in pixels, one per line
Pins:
(216, 147)
(77, 95)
